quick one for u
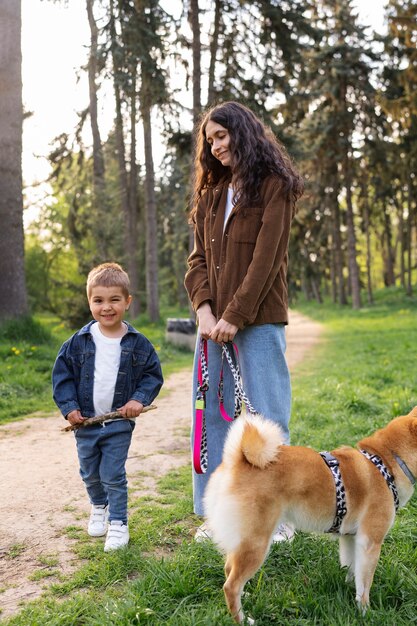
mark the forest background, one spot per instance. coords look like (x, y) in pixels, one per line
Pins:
(341, 97)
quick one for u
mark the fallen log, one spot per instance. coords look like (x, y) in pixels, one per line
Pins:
(107, 417)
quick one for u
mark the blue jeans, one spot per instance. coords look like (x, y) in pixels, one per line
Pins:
(266, 382)
(102, 453)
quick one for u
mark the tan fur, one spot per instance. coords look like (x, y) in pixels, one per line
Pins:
(262, 483)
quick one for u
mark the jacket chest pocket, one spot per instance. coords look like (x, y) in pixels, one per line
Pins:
(78, 365)
(138, 363)
(245, 226)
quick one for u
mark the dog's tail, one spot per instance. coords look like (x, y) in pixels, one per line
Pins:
(254, 437)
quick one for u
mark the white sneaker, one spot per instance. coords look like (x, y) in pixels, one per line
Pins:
(97, 525)
(117, 536)
(283, 532)
(203, 533)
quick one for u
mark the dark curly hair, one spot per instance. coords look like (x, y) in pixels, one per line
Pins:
(255, 151)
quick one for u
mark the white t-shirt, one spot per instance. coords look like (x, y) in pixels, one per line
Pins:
(106, 367)
(229, 205)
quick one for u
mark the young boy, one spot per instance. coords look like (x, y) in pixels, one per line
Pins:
(106, 366)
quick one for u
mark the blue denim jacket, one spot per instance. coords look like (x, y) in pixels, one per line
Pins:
(139, 376)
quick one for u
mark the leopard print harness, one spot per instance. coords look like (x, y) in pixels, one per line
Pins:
(386, 474)
(341, 509)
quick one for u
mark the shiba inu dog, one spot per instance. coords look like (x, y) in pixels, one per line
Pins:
(351, 491)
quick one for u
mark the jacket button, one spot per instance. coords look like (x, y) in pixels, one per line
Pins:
(214, 215)
(212, 239)
(217, 267)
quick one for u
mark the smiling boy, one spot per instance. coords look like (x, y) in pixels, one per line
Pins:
(106, 366)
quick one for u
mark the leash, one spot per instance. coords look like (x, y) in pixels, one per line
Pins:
(231, 355)
(240, 395)
(200, 431)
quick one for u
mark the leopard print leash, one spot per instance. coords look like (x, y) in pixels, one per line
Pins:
(230, 354)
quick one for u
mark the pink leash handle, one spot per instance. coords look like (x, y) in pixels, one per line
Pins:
(199, 438)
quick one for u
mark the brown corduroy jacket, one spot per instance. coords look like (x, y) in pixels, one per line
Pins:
(242, 270)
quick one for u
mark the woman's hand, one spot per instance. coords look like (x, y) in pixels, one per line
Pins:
(206, 320)
(223, 332)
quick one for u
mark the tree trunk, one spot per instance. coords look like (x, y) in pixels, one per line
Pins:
(13, 302)
(129, 242)
(151, 222)
(194, 18)
(351, 239)
(403, 242)
(402, 234)
(99, 190)
(367, 221)
(333, 280)
(152, 289)
(196, 48)
(214, 44)
(389, 258)
(337, 240)
(132, 261)
(409, 237)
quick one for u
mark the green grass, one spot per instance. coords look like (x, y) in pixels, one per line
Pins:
(28, 348)
(363, 373)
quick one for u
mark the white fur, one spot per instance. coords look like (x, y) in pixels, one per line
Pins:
(220, 504)
(270, 432)
(222, 511)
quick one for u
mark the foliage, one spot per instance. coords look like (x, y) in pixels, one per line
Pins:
(340, 97)
(360, 376)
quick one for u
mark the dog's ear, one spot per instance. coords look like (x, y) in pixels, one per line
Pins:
(413, 427)
(413, 412)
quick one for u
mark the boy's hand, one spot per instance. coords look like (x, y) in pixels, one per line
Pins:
(75, 417)
(133, 408)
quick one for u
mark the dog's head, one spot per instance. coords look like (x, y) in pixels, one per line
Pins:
(399, 437)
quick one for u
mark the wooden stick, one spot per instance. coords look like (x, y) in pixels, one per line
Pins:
(99, 419)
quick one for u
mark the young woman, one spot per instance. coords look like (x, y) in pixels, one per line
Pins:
(244, 200)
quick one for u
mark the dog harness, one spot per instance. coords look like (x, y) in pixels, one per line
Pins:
(389, 478)
(341, 509)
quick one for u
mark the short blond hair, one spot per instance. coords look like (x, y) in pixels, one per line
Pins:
(108, 275)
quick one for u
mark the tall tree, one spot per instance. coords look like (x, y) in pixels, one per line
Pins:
(399, 100)
(214, 50)
(100, 204)
(196, 49)
(149, 49)
(129, 212)
(12, 275)
(341, 94)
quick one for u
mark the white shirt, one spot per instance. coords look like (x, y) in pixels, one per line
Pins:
(229, 205)
(106, 367)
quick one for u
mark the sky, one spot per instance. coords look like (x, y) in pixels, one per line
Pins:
(55, 41)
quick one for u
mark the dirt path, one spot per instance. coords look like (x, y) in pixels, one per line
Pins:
(41, 492)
